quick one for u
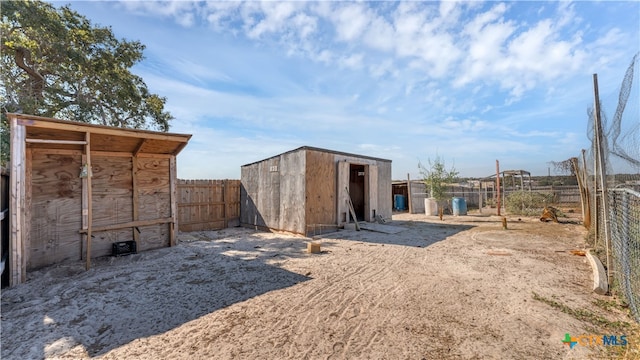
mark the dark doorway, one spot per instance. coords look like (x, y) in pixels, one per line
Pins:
(356, 189)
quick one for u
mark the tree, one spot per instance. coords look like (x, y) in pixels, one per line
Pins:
(564, 166)
(436, 177)
(55, 63)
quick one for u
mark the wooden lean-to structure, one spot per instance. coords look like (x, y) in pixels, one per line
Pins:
(76, 189)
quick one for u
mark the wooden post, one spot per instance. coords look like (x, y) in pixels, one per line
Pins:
(603, 172)
(498, 186)
(85, 210)
(87, 153)
(480, 196)
(409, 198)
(587, 196)
(521, 182)
(17, 250)
(134, 196)
(173, 198)
(224, 203)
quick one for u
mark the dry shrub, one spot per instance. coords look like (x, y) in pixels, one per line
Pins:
(527, 203)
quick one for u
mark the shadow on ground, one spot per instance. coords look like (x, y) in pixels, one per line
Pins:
(123, 299)
(413, 233)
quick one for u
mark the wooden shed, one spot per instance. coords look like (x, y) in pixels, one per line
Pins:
(76, 189)
(306, 190)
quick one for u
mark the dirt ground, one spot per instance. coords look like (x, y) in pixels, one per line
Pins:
(462, 288)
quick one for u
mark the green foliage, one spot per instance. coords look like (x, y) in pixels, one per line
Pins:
(436, 177)
(527, 202)
(55, 63)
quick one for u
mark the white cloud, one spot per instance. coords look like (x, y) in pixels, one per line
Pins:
(380, 35)
(182, 12)
(350, 21)
(353, 61)
(275, 17)
(305, 24)
(383, 68)
(293, 72)
(220, 13)
(518, 56)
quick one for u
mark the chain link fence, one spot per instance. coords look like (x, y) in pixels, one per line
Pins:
(624, 225)
(610, 174)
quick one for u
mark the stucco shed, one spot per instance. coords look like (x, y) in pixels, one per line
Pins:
(306, 190)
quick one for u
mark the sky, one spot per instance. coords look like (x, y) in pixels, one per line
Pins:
(471, 82)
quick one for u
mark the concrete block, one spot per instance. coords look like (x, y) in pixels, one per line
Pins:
(350, 226)
(313, 248)
(600, 283)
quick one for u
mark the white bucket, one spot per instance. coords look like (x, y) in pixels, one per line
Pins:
(431, 207)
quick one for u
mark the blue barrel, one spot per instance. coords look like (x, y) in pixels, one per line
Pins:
(459, 206)
(399, 202)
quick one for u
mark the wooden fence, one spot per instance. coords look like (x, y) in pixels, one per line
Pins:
(208, 204)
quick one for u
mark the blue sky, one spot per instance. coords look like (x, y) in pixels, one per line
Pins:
(470, 81)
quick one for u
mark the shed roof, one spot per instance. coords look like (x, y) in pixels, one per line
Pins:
(320, 150)
(48, 133)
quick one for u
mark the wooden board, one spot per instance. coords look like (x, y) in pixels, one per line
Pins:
(320, 190)
(56, 209)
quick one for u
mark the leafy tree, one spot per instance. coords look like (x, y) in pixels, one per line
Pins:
(55, 63)
(436, 177)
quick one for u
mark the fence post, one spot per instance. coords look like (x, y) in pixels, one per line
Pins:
(625, 238)
(224, 203)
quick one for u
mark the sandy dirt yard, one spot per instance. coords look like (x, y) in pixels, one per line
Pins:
(462, 288)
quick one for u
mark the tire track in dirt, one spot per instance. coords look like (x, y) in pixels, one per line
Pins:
(350, 340)
(343, 294)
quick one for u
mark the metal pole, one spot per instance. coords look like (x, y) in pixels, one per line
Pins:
(603, 173)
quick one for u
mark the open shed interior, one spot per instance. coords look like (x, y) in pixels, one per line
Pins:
(84, 187)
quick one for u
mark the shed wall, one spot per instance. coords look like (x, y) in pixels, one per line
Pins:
(384, 189)
(320, 192)
(112, 200)
(249, 194)
(292, 191)
(56, 204)
(153, 193)
(272, 193)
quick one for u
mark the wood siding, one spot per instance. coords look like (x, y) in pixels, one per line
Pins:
(273, 193)
(320, 192)
(56, 203)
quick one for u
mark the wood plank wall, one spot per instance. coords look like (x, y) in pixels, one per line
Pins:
(4, 225)
(208, 204)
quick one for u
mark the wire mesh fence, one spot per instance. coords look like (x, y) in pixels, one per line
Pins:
(624, 224)
(610, 176)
